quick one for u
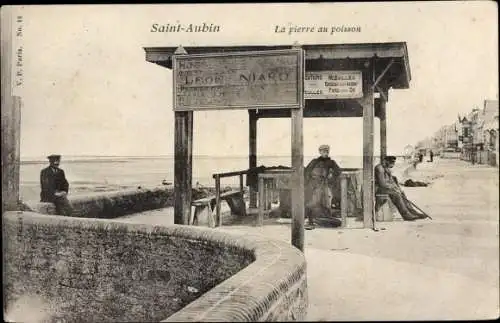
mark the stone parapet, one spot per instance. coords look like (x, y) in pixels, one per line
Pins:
(92, 270)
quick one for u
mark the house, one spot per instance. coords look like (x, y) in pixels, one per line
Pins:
(449, 141)
(487, 129)
(478, 134)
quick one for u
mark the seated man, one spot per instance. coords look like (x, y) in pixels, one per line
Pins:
(54, 186)
(321, 182)
(385, 183)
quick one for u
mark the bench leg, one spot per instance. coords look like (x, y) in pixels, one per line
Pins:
(343, 201)
(199, 210)
(383, 212)
(210, 217)
(379, 203)
(194, 218)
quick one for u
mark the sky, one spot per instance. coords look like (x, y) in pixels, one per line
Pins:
(88, 89)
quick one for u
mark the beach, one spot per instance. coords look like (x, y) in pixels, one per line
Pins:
(90, 174)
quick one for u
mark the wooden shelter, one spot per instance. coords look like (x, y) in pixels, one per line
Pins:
(382, 66)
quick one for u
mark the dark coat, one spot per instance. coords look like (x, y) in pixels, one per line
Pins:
(316, 175)
(52, 181)
(319, 169)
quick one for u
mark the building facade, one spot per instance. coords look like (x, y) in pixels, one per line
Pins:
(478, 134)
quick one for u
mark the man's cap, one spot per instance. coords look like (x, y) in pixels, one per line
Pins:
(54, 157)
(324, 147)
(390, 158)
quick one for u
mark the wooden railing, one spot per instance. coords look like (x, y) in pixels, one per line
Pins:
(270, 181)
(274, 175)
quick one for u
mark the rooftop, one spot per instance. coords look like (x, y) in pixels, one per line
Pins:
(318, 57)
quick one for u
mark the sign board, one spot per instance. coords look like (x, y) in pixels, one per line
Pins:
(244, 80)
(333, 85)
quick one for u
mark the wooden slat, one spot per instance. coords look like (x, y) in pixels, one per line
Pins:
(319, 109)
(209, 199)
(336, 51)
(230, 174)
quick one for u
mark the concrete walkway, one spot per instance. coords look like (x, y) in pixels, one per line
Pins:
(442, 269)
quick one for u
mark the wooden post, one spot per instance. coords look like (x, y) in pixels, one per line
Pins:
(218, 216)
(298, 207)
(252, 152)
(262, 204)
(383, 129)
(343, 199)
(368, 129)
(11, 120)
(297, 180)
(183, 164)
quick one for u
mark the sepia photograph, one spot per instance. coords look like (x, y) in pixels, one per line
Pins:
(250, 162)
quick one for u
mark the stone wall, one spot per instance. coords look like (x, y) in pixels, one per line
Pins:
(91, 270)
(108, 205)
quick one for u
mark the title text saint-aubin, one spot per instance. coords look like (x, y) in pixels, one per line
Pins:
(189, 28)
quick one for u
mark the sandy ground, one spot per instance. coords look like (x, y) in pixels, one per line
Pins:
(443, 269)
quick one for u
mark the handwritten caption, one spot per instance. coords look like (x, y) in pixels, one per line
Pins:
(297, 29)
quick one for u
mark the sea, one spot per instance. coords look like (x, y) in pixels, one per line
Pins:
(87, 174)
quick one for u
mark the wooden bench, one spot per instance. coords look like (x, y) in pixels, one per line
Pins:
(205, 206)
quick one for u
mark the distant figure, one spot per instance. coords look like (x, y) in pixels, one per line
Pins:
(55, 187)
(420, 157)
(431, 154)
(412, 183)
(386, 183)
(322, 180)
(415, 161)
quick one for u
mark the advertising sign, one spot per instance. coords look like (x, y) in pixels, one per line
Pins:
(333, 85)
(244, 80)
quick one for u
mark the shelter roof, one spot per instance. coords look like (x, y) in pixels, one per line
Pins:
(397, 77)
